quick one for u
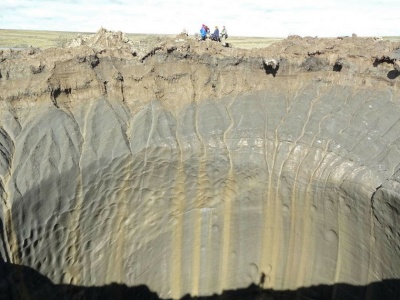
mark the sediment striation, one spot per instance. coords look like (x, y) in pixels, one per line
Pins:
(194, 168)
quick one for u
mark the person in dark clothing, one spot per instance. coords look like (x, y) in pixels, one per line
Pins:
(215, 35)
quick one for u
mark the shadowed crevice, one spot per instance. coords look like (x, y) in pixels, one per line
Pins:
(337, 67)
(383, 59)
(271, 69)
(392, 74)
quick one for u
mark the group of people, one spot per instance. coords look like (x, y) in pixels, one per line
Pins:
(215, 36)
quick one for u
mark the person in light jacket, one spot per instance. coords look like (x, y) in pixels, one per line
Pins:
(224, 33)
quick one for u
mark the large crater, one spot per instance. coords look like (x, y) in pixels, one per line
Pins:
(194, 169)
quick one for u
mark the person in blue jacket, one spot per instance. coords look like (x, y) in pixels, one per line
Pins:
(215, 35)
(203, 32)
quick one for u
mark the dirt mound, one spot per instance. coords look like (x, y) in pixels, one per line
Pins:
(102, 39)
(348, 50)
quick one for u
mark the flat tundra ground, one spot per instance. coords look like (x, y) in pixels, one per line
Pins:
(10, 38)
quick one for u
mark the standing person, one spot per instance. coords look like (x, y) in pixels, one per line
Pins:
(224, 33)
(203, 32)
(208, 35)
(215, 35)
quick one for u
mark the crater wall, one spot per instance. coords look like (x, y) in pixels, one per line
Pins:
(198, 170)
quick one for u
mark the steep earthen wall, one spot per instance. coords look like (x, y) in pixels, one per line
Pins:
(194, 168)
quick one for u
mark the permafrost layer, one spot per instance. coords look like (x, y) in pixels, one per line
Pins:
(196, 172)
